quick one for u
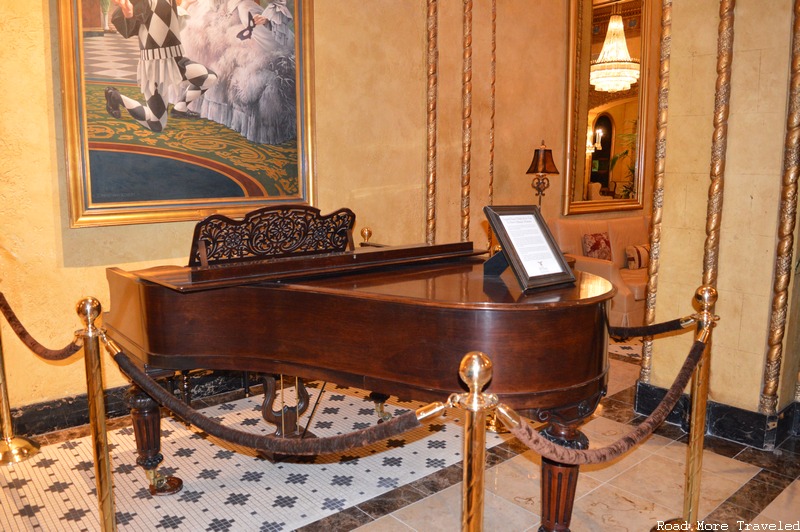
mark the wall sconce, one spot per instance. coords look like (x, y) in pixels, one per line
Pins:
(542, 166)
(592, 145)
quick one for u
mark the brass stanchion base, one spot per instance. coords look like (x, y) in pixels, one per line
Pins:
(677, 523)
(17, 449)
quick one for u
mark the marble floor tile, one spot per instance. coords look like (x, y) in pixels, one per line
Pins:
(623, 375)
(518, 481)
(442, 511)
(785, 507)
(609, 470)
(611, 510)
(779, 460)
(661, 480)
(731, 468)
(388, 523)
(603, 431)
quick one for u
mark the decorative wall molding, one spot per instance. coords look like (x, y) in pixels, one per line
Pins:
(782, 271)
(658, 186)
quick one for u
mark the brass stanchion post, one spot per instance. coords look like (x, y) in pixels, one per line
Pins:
(475, 370)
(89, 309)
(12, 449)
(706, 296)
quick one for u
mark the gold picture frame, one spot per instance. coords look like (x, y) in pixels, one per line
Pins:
(122, 173)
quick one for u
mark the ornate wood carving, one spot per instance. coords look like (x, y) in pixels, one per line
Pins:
(271, 232)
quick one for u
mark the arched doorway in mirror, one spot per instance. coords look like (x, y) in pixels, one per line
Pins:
(600, 149)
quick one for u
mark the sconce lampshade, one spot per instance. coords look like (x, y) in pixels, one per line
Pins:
(542, 166)
(542, 161)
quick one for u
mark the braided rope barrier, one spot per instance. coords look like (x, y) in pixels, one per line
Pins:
(48, 354)
(653, 329)
(538, 443)
(269, 443)
(397, 425)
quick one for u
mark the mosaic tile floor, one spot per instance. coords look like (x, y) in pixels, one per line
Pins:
(226, 487)
(629, 349)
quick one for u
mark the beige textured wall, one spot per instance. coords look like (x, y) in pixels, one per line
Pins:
(756, 126)
(370, 153)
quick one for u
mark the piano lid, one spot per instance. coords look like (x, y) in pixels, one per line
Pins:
(194, 278)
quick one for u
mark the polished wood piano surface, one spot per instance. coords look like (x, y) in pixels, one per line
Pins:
(392, 321)
(399, 329)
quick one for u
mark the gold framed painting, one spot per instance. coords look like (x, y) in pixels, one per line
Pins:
(178, 109)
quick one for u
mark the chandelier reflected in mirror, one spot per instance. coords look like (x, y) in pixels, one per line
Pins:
(614, 70)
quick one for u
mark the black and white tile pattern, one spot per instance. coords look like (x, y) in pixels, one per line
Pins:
(228, 488)
(110, 58)
(627, 349)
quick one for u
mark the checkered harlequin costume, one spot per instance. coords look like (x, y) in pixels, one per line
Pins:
(164, 74)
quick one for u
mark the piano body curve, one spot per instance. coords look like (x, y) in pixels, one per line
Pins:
(394, 329)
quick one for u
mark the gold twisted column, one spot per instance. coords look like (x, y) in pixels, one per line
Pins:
(466, 120)
(658, 186)
(89, 309)
(12, 448)
(719, 144)
(433, 84)
(768, 402)
(476, 371)
(492, 98)
(719, 147)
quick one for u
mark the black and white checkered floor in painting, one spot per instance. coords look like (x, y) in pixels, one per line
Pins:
(110, 58)
(228, 488)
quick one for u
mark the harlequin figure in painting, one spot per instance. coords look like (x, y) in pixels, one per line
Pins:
(164, 74)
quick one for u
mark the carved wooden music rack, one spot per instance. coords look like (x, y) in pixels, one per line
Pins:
(271, 232)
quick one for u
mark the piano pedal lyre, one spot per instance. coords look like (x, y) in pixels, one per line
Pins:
(380, 403)
(286, 419)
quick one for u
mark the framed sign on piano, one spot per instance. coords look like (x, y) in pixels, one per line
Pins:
(177, 110)
(527, 246)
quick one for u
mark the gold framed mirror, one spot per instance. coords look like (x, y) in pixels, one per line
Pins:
(608, 149)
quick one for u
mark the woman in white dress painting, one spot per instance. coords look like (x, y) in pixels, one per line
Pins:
(251, 49)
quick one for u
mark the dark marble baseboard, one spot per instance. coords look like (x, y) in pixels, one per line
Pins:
(724, 421)
(69, 412)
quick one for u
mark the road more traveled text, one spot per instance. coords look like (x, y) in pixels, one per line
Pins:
(740, 525)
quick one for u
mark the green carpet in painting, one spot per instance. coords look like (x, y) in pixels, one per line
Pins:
(206, 159)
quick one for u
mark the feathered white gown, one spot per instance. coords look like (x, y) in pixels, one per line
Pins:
(255, 94)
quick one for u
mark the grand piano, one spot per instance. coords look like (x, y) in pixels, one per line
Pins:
(391, 320)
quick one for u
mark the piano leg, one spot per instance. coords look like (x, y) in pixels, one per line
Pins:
(560, 480)
(146, 418)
